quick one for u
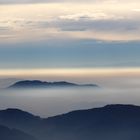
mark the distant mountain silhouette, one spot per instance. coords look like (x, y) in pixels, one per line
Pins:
(13, 134)
(112, 122)
(40, 84)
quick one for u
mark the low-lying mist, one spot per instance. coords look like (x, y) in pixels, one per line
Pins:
(50, 102)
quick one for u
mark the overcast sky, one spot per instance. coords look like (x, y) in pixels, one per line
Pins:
(69, 1)
(62, 34)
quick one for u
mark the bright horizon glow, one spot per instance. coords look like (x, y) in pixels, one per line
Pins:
(71, 72)
(69, 34)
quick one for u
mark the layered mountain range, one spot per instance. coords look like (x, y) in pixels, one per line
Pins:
(112, 122)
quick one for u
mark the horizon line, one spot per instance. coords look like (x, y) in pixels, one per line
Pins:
(69, 71)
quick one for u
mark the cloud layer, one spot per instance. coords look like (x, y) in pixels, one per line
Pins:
(96, 21)
(67, 1)
(47, 1)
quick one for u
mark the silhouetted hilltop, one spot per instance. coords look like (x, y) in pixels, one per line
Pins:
(40, 84)
(15, 118)
(112, 122)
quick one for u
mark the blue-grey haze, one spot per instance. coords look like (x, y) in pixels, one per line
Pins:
(69, 54)
(47, 103)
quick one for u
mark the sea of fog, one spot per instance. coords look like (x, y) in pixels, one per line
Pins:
(50, 102)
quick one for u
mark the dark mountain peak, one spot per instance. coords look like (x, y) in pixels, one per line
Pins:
(109, 111)
(42, 84)
(113, 106)
(111, 122)
(29, 83)
(16, 112)
(16, 116)
(121, 107)
(63, 83)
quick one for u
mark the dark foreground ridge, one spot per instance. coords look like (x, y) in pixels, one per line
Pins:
(40, 84)
(112, 122)
(13, 134)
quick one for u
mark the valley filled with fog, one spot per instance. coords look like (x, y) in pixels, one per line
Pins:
(51, 102)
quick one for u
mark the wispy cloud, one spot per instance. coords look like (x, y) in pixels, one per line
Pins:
(56, 1)
(99, 21)
(47, 1)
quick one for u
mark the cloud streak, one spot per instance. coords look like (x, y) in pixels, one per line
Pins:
(64, 1)
(98, 21)
(48, 1)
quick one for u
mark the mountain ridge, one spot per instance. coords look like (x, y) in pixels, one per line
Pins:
(109, 122)
(44, 84)
(14, 134)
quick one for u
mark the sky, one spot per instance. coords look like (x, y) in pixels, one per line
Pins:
(64, 38)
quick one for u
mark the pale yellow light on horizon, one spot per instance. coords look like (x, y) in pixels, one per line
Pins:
(104, 77)
(71, 72)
